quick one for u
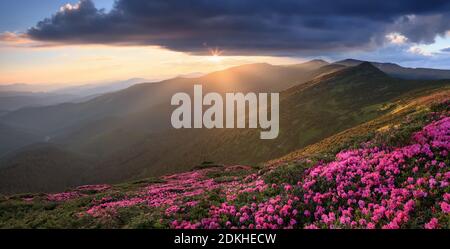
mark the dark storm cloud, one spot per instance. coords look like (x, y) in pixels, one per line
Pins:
(247, 26)
(423, 28)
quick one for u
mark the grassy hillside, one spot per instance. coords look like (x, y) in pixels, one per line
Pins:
(13, 138)
(391, 172)
(415, 103)
(31, 169)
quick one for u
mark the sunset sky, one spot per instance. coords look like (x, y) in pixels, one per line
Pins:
(71, 42)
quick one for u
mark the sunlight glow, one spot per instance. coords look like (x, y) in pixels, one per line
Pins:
(215, 58)
(215, 55)
(85, 64)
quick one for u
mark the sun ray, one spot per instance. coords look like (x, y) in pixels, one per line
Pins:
(215, 55)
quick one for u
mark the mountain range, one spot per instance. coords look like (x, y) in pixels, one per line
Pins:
(17, 96)
(126, 134)
(397, 71)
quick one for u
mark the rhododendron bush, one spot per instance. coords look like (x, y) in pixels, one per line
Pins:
(383, 187)
(376, 186)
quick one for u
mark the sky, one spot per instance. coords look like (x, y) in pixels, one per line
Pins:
(89, 41)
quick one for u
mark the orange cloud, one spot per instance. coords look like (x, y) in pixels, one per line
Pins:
(14, 38)
(22, 40)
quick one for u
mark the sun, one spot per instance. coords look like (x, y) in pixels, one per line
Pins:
(215, 55)
(215, 58)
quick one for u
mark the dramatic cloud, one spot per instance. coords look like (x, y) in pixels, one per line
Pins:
(20, 40)
(14, 38)
(446, 50)
(396, 38)
(249, 26)
(418, 50)
(425, 28)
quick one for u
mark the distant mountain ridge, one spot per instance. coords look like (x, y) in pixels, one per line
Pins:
(127, 134)
(395, 70)
(24, 87)
(100, 88)
(17, 96)
(11, 101)
(141, 97)
(75, 89)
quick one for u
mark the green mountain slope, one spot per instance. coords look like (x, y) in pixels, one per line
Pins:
(308, 113)
(43, 168)
(13, 138)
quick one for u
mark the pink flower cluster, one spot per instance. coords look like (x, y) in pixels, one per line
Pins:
(175, 194)
(275, 213)
(366, 188)
(380, 188)
(77, 192)
(65, 196)
(110, 208)
(371, 187)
